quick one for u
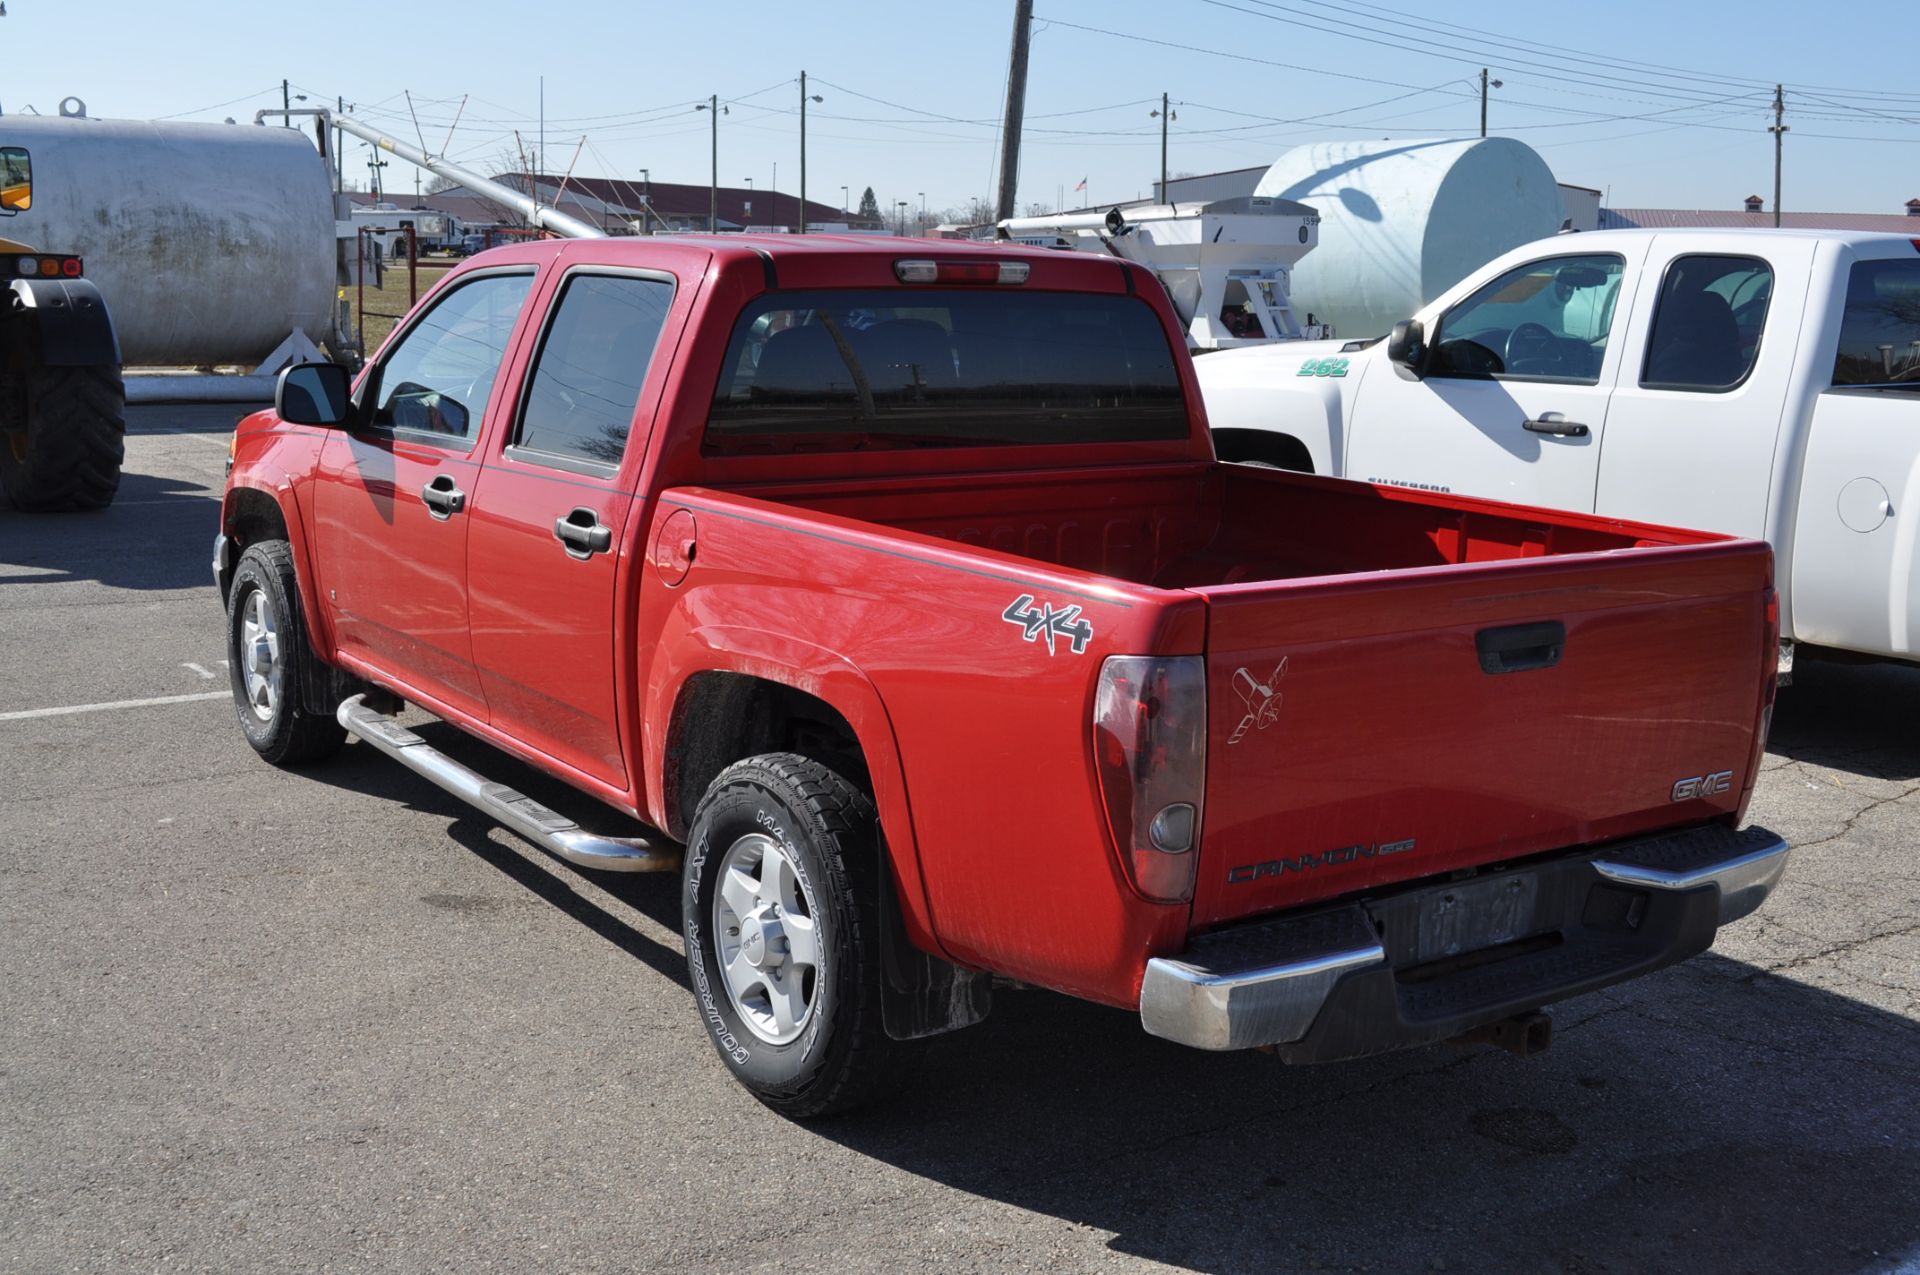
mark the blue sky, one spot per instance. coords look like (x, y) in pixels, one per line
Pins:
(1665, 104)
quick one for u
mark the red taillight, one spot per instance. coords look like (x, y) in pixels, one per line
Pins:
(989, 272)
(70, 267)
(1150, 750)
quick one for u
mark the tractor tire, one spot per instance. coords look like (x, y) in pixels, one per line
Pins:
(63, 439)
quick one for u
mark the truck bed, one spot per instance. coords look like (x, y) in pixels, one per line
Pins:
(1191, 527)
(1347, 640)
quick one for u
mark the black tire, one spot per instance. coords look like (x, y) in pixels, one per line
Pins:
(842, 1057)
(63, 439)
(284, 732)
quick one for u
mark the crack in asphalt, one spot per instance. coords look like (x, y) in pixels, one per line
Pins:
(1854, 818)
(1837, 949)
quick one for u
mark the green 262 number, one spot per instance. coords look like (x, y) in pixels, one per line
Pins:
(1324, 367)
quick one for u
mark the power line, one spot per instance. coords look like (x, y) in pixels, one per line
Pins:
(1434, 47)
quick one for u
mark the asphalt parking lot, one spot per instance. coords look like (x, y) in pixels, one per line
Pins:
(255, 1020)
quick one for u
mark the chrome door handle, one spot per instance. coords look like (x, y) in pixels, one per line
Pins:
(1555, 423)
(583, 534)
(442, 498)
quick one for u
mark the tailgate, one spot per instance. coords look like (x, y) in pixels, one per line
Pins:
(1369, 729)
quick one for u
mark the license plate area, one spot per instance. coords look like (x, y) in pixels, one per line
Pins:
(1469, 916)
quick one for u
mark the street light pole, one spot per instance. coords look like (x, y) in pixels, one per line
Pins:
(1166, 114)
(804, 99)
(713, 108)
(1484, 83)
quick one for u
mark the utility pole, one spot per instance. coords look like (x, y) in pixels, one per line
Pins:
(339, 143)
(1779, 131)
(286, 104)
(1483, 101)
(1016, 110)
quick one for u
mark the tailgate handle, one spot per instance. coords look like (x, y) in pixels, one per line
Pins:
(1516, 648)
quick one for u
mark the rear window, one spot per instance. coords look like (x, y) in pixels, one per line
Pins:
(853, 370)
(1880, 334)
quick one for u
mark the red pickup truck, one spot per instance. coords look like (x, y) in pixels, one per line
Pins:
(897, 586)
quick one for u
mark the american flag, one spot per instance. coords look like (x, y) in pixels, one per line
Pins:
(1082, 186)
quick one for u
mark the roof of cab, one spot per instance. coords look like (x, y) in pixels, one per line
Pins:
(1746, 232)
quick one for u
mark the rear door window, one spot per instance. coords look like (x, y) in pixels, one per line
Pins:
(1880, 332)
(1544, 321)
(590, 368)
(1706, 326)
(856, 370)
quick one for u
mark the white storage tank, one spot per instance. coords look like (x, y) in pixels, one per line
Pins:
(210, 242)
(1402, 221)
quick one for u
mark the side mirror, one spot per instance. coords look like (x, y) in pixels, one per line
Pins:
(1407, 345)
(16, 180)
(313, 394)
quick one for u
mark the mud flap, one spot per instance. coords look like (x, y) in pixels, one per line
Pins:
(920, 994)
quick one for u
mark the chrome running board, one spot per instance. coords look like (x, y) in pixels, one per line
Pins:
(548, 829)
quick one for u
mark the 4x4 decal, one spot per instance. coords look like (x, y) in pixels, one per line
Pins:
(1041, 620)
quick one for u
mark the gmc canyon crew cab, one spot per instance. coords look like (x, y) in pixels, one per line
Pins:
(1762, 383)
(897, 586)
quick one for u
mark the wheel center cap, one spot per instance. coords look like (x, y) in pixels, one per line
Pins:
(760, 943)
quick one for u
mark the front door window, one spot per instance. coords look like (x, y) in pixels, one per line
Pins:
(1544, 321)
(437, 381)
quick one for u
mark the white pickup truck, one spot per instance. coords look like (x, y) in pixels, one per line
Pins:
(1763, 383)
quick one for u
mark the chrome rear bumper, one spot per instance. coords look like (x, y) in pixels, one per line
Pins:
(1658, 900)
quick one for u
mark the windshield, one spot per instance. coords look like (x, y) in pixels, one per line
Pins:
(851, 370)
(1880, 335)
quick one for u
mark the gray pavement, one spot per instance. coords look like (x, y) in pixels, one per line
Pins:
(252, 1020)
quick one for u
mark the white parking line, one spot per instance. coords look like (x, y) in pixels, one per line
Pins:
(205, 674)
(24, 714)
(148, 431)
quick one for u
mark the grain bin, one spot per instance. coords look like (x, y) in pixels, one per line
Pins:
(1403, 221)
(210, 242)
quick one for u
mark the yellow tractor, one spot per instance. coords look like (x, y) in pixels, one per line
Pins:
(62, 400)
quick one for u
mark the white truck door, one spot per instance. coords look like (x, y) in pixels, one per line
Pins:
(1856, 542)
(1512, 396)
(1709, 353)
